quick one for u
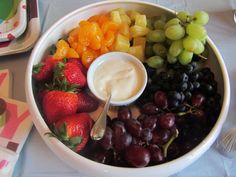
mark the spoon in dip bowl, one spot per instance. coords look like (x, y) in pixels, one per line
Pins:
(99, 127)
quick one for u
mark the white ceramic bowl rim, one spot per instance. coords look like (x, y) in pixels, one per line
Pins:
(66, 154)
(116, 56)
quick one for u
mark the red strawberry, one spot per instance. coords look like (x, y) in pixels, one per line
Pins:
(74, 130)
(87, 103)
(71, 73)
(79, 63)
(57, 104)
(44, 70)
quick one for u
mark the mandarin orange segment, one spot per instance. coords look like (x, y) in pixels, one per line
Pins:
(95, 43)
(62, 49)
(87, 58)
(94, 18)
(72, 53)
(109, 38)
(109, 26)
(103, 49)
(103, 18)
(80, 49)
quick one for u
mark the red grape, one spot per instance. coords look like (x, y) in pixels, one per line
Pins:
(106, 141)
(157, 155)
(160, 100)
(137, 156)
(149, 108)
(198, 100)
(124, 113)
(134, 127)
(166, 120)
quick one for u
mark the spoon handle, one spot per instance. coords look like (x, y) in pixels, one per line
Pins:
(99, 127)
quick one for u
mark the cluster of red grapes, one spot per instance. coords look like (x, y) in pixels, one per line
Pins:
(135, 142)
(177, 110)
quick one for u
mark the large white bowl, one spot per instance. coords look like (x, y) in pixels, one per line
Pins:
(89, 167)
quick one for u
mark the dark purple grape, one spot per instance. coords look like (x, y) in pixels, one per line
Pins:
(188, 96)
(3, 106)
(106, 141)
(134, 127)
(137, 156)
(150, 122)
(182, 77)
(124, 113)
(194, 76)
(118, 128)
(136, 140)
(161, 136)
(160, 100)
(102, 156)
(166, 120)
(121, 142)
(149, 108)
(146, 135)
(141, 118)
(198, 100)
(174, 95)
(157, 155)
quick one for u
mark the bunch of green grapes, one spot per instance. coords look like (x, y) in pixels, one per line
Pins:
(177, 39)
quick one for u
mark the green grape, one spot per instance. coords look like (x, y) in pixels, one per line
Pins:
(159, 24)
(199, 48)
(201, 17)
(159, 50)
(176, 47)
(148, 50)
(156, 36)
(184, 16)
(196, 31)
(155, 62)
(185, 57)
(175, 32)
(173, 21)
(171, 59)
(190, 43)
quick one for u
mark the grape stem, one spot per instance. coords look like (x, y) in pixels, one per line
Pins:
(166, 146)
(202, 57)
(191, 110)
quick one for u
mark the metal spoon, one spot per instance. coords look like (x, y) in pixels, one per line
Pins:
(99, 127)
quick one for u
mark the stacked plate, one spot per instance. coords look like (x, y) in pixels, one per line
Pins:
(19, 25)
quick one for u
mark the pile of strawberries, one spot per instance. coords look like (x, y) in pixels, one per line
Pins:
(61, 93)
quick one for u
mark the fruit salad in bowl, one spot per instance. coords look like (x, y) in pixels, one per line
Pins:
(173, 122)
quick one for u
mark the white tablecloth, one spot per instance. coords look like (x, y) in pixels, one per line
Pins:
(37, 160)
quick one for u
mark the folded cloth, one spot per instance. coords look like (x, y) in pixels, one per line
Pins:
(5, 83)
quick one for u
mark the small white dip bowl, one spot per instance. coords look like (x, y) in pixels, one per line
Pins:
(139, 72)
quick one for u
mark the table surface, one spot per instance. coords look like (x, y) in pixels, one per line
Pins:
(36, 160)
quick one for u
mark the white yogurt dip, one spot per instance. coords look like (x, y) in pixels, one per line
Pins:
(123, 78)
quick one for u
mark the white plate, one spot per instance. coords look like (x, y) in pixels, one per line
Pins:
(29, 37)
(12, 28)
